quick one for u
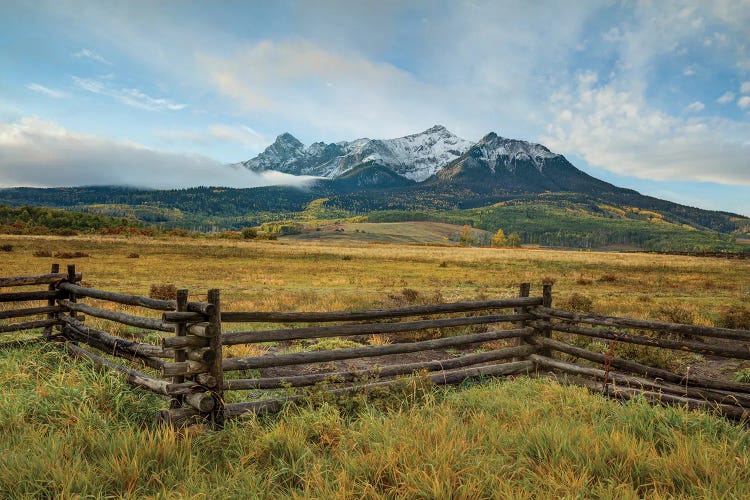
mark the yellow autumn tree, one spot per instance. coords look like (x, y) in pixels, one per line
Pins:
(499, 240)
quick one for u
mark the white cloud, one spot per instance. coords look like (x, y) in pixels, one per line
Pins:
(90, 54)
(41, 153)
(745, 87)
(41, 89)
(129, 96)
(744, 102)
(688, 71)
(726, 98)
(237, 134)
(617, 130)
(696, 107)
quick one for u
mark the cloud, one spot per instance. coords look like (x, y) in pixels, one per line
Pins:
(41, 89)
(236, 134)
(128, 96)
(617, 130)
(696, 107)
(90, 54)
(726, 98)
(744, 102)
(745, 87)
(35, 152)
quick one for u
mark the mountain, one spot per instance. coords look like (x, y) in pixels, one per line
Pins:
(497, 164)
(415, 157)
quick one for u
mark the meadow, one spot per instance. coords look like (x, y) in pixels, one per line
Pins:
(68, 430)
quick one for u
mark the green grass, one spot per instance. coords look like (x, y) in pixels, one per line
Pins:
(69, 431)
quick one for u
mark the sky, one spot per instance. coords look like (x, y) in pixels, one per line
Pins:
(651, 95)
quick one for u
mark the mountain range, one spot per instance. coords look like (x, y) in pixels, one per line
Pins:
(494, 183)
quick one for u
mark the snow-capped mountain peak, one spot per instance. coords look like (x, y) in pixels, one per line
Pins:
(416, 156)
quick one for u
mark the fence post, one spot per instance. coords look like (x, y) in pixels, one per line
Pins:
(216, 369)
(47, 332)
(546, 331)
(179, 354)
(71, 295)
(524, 291)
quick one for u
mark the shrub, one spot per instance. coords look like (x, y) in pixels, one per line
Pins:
(548, 280)
(734, 317)
(410, 295)
(334, 343)
(584, 281)
(133, 255)
(346, 257)
(608, 278)
(443, 264)
(675, 313)
(6, 248)
(249, 233)
(578, 303)
(42, 253)
(166, 291)
(71, 255)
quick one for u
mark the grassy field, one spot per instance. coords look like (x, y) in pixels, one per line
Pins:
(70, 431)
(390, 232)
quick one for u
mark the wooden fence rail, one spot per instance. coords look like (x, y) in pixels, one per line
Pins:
(189, 364)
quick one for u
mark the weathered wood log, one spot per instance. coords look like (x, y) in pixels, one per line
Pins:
(30, 311)
(612, 321)
(181, 416)
(131, 376)
(545, 330)
(126, 319)
(55, 269)
(206, 380)
(188, 367)
(740, 352)
(180, 330)
(134, 348)
(400, 312)
(380, 372)
(639, 382)
(74, 334)
(641, 369)
(216, 365)
(120, 298)
(42, 279)
(523, 291)
(27, 296)
(28, 325)
(203, 308)
(364, 329)
(204, 355)
(202, 401)
(201, 330)
(627, 393)
(299, 358)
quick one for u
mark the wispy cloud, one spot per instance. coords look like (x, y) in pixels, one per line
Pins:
(696, 107)
(726, 98)
(129, 96)
(616, 129)
(744, 102)
(236, 134)
(41, 153)
(41, 89)
(90, 54)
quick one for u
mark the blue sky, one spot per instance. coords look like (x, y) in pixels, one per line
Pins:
(649, 95)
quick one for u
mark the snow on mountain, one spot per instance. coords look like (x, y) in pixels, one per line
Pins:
(416, 156)
(499, 151)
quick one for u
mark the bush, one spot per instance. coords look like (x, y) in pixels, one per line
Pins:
(133, 255)
(42, 253)
(165, 291)
(578, 303)
(514, 240)
(6, 248)
(734, 317)
(608, 278)
(71, 255)
(675, 313)
(743, 376)
(249, 233)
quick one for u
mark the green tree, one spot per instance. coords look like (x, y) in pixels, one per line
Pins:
(249, 233)
(499, 240)
(514, 240)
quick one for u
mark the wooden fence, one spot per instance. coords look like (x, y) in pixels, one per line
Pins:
(192, 368)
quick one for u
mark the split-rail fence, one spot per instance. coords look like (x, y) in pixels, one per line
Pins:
(191, 368)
